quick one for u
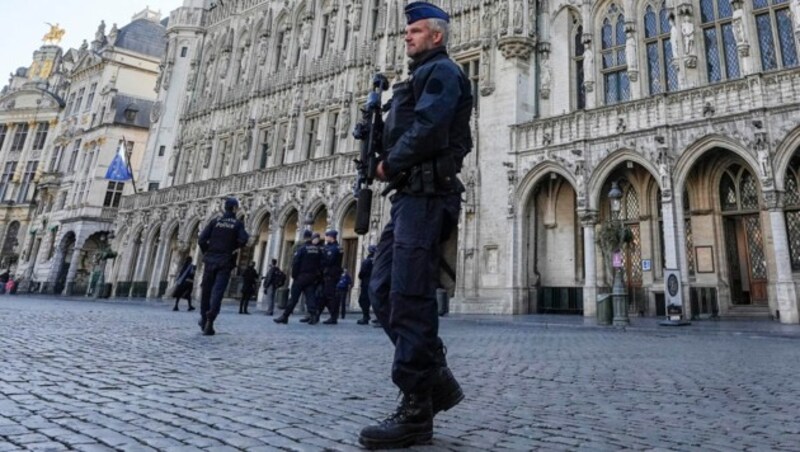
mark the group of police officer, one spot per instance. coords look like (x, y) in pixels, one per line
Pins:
(426, 137)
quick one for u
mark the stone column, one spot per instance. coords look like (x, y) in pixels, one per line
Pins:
(785, 292)
(158, 265)
(589, 223)
(73, 268)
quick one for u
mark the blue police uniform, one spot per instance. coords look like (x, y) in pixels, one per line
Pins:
(426, 137)
(218, 241)
(332, 271)
(306, 275)
(364, 275)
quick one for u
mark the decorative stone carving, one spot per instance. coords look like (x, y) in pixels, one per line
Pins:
(545, 77)
(516, 47)
(631, 51)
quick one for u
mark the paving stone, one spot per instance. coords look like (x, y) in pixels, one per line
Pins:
(136, 376)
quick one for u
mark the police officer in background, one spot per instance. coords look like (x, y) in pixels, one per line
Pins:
(219, 240)
(426, 137)
(306, 273)
(364, 275)
(332, 271)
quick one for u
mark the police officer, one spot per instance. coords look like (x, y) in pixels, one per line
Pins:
(364, 275)
(426, 137)
(332, 271)
(219, 240)
(306, 273)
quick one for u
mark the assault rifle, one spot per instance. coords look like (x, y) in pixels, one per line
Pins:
(370, 132)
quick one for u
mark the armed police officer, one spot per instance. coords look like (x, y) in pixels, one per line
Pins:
(426, 136)
(306, 276)
(218, 241)
(364, 275)
(332, 271)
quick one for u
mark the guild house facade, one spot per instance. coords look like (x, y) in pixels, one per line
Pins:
(690, 108)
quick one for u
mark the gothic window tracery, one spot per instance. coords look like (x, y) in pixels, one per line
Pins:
(577, 63)
(792, 211)
(614, 67)
(660, 69)
(776, 42)
(722, 61)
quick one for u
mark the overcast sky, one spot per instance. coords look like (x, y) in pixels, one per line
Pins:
(22, 24)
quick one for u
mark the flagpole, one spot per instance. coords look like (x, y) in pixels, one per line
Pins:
(128, 162)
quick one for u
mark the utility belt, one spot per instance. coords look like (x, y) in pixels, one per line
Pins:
(433, 177)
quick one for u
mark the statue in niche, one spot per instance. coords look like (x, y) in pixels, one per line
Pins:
(262, 50)
(344, 130)
(244, 62)
(687, 30)
(546, 77)
(486, 21)
(588, 61)
(207, 156)
(223, 64)
(305, 33)
(474, 25)
(519, 14)
(502, 19)
(532, 19)
(738, 27)
(630, 51)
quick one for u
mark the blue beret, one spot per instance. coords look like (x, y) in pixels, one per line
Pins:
(307, 234)
(423, 10)
(315, 235)
(230, 203)
(332, 233)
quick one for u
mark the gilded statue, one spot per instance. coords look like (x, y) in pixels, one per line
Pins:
(55, 34)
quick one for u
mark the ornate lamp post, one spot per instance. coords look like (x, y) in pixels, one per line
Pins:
(618, 290)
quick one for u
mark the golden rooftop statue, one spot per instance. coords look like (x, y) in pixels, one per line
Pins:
(54, 35)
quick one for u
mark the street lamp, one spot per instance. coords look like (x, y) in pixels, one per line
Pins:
(618, 290)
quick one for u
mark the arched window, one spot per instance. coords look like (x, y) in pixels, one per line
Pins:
(774, 25)
(722, 62)
(660, 70)
(791, 199)
(577, 63)
(615, 68)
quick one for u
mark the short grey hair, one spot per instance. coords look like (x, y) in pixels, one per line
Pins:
(442, 26)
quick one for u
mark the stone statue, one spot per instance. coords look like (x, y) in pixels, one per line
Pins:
(84, 46)
(738, 27)
(244, 63)
(100, 35)
(305, 32)
(192, 78)
(486, 21)
(112, 35)
(630, 51)
(546, 75)
(687, 30)
(519, 15)
(588, 62)
(502, 19)
(674, 36)
(345, 128)
(223, 64)
(794, 6)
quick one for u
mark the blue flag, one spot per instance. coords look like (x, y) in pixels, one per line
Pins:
(118, 170)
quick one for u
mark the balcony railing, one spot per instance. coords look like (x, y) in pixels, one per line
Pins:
(759, 91)
(286, 175)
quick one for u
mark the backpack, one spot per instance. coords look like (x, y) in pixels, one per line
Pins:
(279, 278)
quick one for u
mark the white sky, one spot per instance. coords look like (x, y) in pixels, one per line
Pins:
(22, 24)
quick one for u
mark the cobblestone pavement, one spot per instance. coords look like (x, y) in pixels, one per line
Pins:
(135, 376)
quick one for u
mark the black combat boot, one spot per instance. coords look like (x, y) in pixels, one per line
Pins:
(314, 318)
(202, 324)
(307, 318)
(330, 321)
(411, 424)
(283, 318)
(209, 328)
(447, 392)
(364, 321)
(175, 308)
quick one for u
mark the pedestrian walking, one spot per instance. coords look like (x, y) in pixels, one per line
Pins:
(332, 271)
(364, 274)
(426, 135)
(306, 275)
(219, 241)
(342, 290)
(3, 280)
(184, 284)
(249, 287)
(274, 280)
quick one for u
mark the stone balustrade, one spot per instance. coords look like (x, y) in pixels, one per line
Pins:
(270, 178)
(753, 93)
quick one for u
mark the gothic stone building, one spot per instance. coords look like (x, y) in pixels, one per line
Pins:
(108, 97)
(690, 107)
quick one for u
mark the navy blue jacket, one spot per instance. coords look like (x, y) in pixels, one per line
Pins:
(332, 260)
(429, 115)
(307, 262)
(221, 238)
(365, 273)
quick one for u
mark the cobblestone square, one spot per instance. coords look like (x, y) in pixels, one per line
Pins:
(88, 375)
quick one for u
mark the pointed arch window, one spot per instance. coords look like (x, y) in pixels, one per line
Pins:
(577, 63)
(775, 36)
(662, 74)
(792, 211)
(615, 68)
(722, 61)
